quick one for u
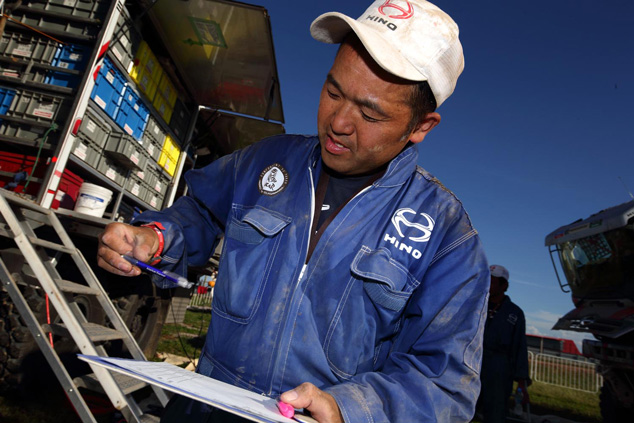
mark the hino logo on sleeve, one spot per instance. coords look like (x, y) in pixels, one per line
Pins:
(416, 232)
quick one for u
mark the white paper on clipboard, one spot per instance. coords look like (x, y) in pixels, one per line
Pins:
(257, 408)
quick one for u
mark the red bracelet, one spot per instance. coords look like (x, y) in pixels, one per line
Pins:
(158, 229)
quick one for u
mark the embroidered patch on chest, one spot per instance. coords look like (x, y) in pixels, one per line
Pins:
(273, 180)
(512, 318)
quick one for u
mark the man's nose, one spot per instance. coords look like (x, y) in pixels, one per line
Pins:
(342, 120)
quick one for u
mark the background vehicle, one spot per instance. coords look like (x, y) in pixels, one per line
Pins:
(597, 258)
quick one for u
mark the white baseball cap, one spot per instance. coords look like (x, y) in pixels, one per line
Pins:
(412, 39)
(499, 271)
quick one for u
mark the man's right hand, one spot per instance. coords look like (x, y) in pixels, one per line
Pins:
(117, 239)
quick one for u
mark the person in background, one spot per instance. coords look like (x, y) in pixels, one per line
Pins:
(352, 283)
(505, 356)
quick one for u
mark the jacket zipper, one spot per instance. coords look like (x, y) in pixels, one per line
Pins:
(312, 216)
(297, 282)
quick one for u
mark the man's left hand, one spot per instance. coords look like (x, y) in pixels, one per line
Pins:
(322, 406)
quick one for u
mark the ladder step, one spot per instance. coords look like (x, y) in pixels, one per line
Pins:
(51, 245)
(149, 418)
(75, 288)
(127, 384)
(95, 332)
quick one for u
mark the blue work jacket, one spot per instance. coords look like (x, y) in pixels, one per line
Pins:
(387, 315)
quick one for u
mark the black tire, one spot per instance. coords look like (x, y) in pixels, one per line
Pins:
(611, 410)
(144, 314)
(22, 365)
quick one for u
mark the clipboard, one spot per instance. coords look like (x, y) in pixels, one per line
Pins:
(235, 400)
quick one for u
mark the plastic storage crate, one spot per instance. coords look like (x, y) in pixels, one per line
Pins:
(125, 42)
(6, 98)
(95, 128)
(171, 148)
(109, 87)
(153, 199)
(134, 186)
(161, 185)
(180, 120)
(67, 191)
(146, 60)
(91, 9)
(12, 164)
(28, 47)
(168, 163)
(112, 170)
(56, 25)
(163, 108)
(28, 132)
(167, 90)
(146, 84)
(72, 57)
(152, 147)
(86, 151)
(132, 115)
(23, 72)
(126, 151)
(35, 106)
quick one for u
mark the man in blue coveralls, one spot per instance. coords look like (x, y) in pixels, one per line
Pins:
(505, 352)
(352, 283)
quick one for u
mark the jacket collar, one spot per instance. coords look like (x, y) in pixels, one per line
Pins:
(397, 173)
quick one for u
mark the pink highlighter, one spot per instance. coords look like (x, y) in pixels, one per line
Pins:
(286, 410)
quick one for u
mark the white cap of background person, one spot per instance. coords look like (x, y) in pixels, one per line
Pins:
(412, 39)
(499, 271)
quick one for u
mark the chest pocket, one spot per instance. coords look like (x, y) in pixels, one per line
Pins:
(252, 239)
(369, 314)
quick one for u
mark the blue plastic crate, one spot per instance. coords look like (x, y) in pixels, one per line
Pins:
(132, 115)
(109, 87)
(6, 98)
(72, 57)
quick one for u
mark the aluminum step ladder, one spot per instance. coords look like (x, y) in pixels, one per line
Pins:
(19, 220)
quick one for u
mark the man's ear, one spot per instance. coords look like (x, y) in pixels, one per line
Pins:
(423, 127)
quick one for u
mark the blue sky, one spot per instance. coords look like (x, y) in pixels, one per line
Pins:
(536, 135)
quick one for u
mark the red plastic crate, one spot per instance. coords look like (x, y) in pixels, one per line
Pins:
(67, 191)
(12, 163)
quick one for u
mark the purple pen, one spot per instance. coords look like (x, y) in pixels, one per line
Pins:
(170, 276)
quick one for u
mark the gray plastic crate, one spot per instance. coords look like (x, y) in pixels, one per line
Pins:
(87, 152)
(95, 128)
(135, 186)
(161, 184)
(154, 130)
(126, 150)
(125, 42)
(22, 72)
(112, 170)
(25, 131)
(56, 25)
(150, 174)
(153, 139)
(28, 47)
(35, 106)
(91, 9)
(153, 199)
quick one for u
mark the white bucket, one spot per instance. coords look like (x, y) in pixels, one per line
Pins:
(92, 199)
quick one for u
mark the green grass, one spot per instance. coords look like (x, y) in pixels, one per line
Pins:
(553, 400)
(188, 338)
(574, 405)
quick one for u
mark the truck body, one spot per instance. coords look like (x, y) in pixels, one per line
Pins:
(125, 95)
(596, 255)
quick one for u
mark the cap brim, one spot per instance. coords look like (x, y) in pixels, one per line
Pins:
(333, 27)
